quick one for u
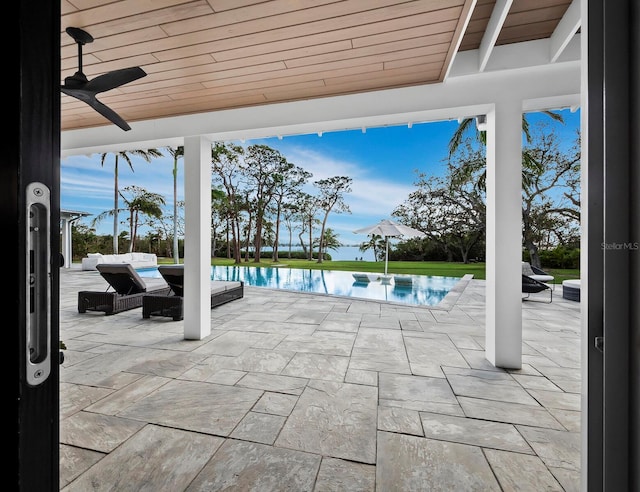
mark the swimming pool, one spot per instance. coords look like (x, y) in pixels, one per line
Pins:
(424, 291)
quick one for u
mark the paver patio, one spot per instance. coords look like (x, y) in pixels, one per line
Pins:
(302, 392)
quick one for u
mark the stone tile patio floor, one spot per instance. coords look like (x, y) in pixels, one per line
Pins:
(302, 392)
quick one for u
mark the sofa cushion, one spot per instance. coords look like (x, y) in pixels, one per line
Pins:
(146, 257)
(137, 260)
(543, 278)
(526, 269)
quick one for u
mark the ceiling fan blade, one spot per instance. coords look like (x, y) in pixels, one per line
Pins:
(116, 78)
(110, 114)
(104, 110)
(83, 95)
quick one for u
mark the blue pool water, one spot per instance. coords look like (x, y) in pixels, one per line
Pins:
(424, 291)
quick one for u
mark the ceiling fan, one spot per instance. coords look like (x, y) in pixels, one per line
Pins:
(78, 86)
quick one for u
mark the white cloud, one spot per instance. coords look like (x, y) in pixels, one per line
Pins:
(320, 165)
(370, 196)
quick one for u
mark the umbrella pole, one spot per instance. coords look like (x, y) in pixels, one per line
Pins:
(386, 254)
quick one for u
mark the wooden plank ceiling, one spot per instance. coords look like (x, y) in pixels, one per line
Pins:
(204, 55)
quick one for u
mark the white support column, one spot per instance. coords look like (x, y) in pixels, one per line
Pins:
(197, 249)
(504, 235)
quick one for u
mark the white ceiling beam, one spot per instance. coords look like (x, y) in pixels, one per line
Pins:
(565, 30)
(496, 21)
(461, 29)
(514, 56)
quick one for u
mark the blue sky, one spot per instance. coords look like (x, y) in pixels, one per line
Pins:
(381, 161)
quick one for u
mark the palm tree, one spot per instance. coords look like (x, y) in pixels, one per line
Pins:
(330, 240)
(467, 125)
(462, 173)
(377, 244)
(176, 153)
(126, 155)
(103, 215)
(141, 202)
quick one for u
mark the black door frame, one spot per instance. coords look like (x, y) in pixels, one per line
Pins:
(612, 338)
(612, 415)
(34, 158)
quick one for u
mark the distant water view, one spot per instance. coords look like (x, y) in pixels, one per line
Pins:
(350, 253)
(343, 253)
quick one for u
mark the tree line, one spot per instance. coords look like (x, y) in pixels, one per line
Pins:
(451, 207)
(257, 195)
(259, 198)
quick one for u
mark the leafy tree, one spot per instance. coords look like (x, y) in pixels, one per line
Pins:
(550, 188)
(225, 166)
(140, 202)
(480, 136)
(307, 207)
(289, 213)
(84, 238)
(164, 227)
(448, 209)
(292, 179)
(126, 156)
(219, 216)
(332, 191)
(468, 125)
(264, 169)
(176, 153)
(551, 194)
(248, 206)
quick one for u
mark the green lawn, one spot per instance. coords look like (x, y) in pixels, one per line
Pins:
(431, 268)
(561, 274)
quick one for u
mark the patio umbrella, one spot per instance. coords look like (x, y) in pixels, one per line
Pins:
(389, 228)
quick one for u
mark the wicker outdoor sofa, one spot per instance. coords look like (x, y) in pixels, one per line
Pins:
(172, 304)
(128, 290)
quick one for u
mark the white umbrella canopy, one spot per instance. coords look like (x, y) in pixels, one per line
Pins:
(389, 228)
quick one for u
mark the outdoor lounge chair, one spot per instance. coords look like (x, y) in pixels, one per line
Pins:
(128, 290)
(361, 278)
(536, 273)
(171, 304)
(533, 286)
(403, 281)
